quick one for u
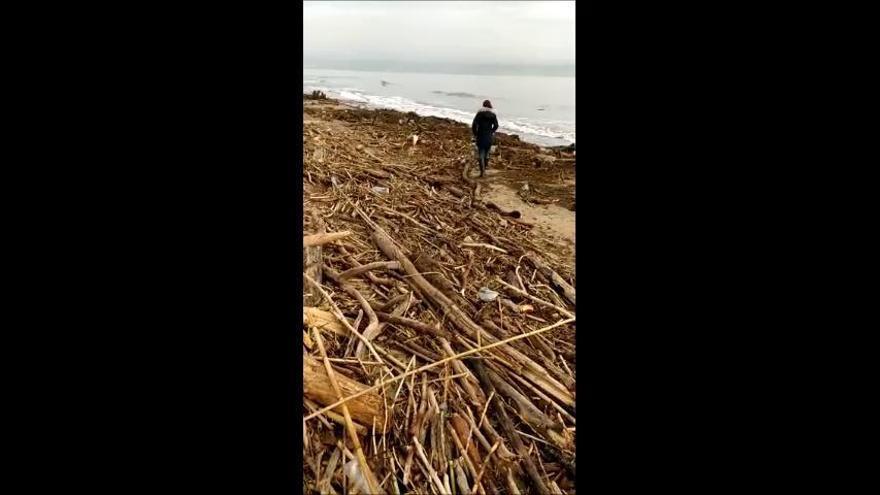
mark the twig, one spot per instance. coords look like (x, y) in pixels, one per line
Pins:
(339, 316)
(542, 302)
(483, 468)
(414, 324)
(438, 363)
(372, 329)
(507, 426)
(483, 245)
(388, 265)
(352, 432)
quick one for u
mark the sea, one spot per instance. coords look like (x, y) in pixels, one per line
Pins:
(538, 108)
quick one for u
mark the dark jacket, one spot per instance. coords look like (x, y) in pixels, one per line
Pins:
(484, 126)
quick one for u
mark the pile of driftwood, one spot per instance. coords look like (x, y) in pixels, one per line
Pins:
(316, 95)
(438, 330)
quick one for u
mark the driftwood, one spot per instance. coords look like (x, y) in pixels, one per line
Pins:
(464, 323)
(510, 431)
(460, 430)
(356, 264)
(534, 416)
(363, 409)
(429, 270)
(558, 282)
(325, 320)
(392, 306)
(455, 191)
(312, 264)
(387, 265)
(511, 215)
(321, 239)
(371, 485)
(483, 245)
(502, 211)
(414, 324)
(373, 327)
(542, 302)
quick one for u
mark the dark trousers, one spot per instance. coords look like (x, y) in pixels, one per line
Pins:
(483, 157)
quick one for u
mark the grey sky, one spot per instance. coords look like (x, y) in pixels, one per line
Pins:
(541, 32)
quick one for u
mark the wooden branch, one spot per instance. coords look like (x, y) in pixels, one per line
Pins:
(558, 282)
(528, 411)
(550, 428)
(414, 324)
(542, 302)
(372, 483)
(359, 428)
(509, 430)
(388, 265)
(312, 263)
(321, 239)
(431, 271)
(483, 245)
(512, 213)
(341, 318)
(373, 278)
(372, 329)
(475, 394)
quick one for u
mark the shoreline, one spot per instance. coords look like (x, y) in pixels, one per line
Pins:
(368, 107)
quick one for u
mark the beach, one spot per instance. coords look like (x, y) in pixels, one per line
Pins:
(429, 295)
(549, 173)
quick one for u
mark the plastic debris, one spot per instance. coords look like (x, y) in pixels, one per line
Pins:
(487, 295)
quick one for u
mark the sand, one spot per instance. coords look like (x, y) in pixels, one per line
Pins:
(554, 220)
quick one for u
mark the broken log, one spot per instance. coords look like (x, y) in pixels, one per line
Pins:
(325, 320)
(321, 239)
(363, 409)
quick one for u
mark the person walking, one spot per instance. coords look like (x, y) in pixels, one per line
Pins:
(484, 127)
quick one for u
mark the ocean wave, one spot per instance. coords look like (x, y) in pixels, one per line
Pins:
(454, 93)
(544, 133)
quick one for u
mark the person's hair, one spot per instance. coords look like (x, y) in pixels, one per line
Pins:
(487, 103)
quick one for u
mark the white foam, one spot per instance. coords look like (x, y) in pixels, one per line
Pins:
(544, 133)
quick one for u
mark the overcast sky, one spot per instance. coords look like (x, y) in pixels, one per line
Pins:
(465, 32)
